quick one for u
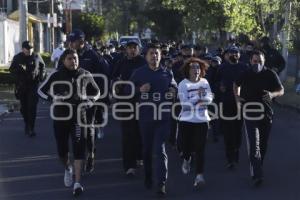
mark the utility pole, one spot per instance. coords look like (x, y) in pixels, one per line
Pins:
(68, 13)
(52, 38)
(286, 38)
(100, 7)
(37, 8)
(23, 20)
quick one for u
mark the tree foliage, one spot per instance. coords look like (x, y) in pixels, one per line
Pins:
(92, 24)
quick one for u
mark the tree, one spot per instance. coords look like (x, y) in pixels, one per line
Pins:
(92, 24)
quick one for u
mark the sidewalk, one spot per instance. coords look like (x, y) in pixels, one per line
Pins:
(8, 103)
(290, 99)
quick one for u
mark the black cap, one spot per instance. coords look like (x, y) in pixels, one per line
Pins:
(27, 45)
(134, 42)
(187, 46)
(76, 35)
(233, 49)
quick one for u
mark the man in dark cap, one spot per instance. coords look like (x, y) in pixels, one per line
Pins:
(95, 64)
(230, 121)
(131, 138)
(28, 69)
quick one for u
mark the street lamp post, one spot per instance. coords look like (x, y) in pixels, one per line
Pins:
(68, 16)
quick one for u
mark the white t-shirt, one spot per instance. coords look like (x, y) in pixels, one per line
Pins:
(192, 110)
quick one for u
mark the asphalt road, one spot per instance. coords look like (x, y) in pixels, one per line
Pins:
(29, 168)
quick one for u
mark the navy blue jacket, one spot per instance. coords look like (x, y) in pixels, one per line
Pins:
(160, 80)
(95, 64)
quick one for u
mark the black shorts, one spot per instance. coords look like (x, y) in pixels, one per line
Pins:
(62, 131)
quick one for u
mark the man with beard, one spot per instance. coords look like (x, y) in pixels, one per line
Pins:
(230, 121)
(131, 139)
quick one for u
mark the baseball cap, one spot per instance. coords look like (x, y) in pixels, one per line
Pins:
(233, 49)
(76, 35)
(135, 42)
(27, 45)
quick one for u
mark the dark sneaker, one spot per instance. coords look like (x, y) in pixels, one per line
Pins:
(32, 134)
(77, 190)
(26, 130)
(162, 190)
(89, 165)
(257, 182)
(148, 183)
(215, 139)
(230, 166)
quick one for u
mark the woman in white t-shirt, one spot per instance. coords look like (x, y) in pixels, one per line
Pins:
(194, 94)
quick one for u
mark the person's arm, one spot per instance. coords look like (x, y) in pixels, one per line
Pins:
(93, 88)
(44, 89)
(206, 96)
(276, 88)
(184, 95)
(173, 89)
(15, 67)
(42, 67)
(54, 56)
(237, 92)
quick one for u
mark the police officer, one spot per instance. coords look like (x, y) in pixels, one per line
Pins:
(95, 64)
(155, 86)
(258, 85)
(131, 138)
(28, 69)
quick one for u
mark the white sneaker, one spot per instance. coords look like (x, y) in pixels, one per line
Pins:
(199, 180)
(130, 172)
(77, 189)
(68, 179)
(100, 133)
(186, 166)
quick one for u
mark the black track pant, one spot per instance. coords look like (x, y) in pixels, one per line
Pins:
(232, 130)
(194, 137)
(131, 143)
(29, 101)
(257, 135)
(65, 129)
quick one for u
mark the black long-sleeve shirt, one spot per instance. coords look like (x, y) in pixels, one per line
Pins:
(74, 87)
(28, 71)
